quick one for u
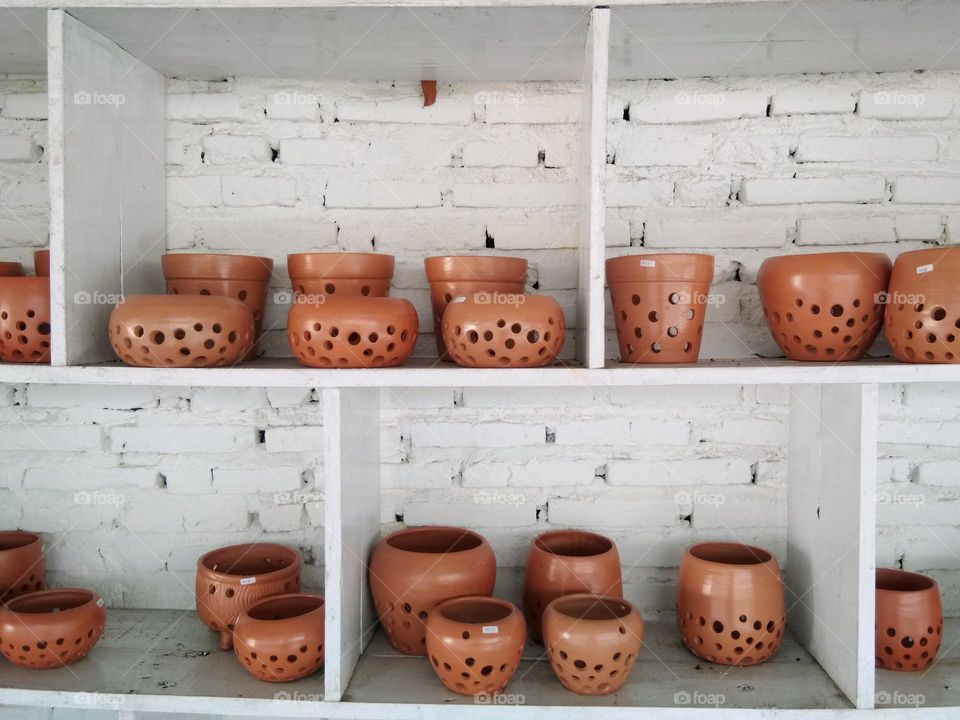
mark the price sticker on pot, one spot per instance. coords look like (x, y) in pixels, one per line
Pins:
(924, 269)
(248, 581)
(491, 629)
(99, 602)
(648, 263)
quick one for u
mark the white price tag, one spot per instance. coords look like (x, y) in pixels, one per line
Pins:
(924, 269)
(491, 629)
(248, 581)
(462, 298)
(99, 602)
(648, 263)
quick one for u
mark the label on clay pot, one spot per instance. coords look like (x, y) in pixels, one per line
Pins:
(924, 269)
(460, 299)
(99, 602)
(491, 629)
(248, 581)
(648, 263)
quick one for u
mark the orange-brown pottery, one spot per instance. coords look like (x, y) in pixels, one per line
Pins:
(11, 269)
(281, 638)
(322, 275)
(909, 626)
(41, 263)
(25, 319)
(21, 564)
(51, 628)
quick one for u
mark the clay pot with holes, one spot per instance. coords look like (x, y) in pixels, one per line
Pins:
(824, 306)
(730, 603)
(454, 276)
(51, 628)
(41, 263)
(11, 269)
(415, 569)
(326, 275)
(659, 304)
(909, 626)
(25, 319)
(592, 641)
(231, 579)
(21, 564)
(475, 643)
(281, 638)
(565, 562)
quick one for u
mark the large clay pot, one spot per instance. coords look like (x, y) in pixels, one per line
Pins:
(593, 641)
(566, 562)
(730, 603)
(25, 319)
(322, 275)
(909, 625)
(659, 305)
(231, 579)
(824, 306)
(21, 564)
(453, 276)
(11, 269)
(281, 638)
(475, 643)
(41, 263)
(415, 569)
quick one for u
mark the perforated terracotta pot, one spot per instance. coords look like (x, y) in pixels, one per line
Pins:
(824, 306)
(22, 565)
(415, 569)
(909, 626)
(338, 274)
(281, 638)
(11, 269)
(25, 319)
(41, 263)
(565, 562)
(593, 641)
(659, 304)
(474, 643)
(730, 603)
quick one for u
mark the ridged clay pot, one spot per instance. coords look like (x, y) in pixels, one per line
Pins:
(730, 603)
(474, 643)
(593, 641)
(659, 305)
(323, 275)
(452, 276)
(25, 319)
(41, 263)
(231, 579)
(824, 306)
(51, 628)
(909, 626)
(11, 269)
(567, 562)
(415, 569)
(21, 564)
(281, 638)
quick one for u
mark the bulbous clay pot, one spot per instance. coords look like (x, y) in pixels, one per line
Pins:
(415, 569)
(41, 263)
(281, 638)
(453, 276)
(51, 628)
(824, 306)
(322, 275)
(474, 643)
(730, 603)
(352, 332)
(659, 304)
(21, 564)
(25, 319)
(11, 269)
(593, 641)
(231, 579)
(909, 626)
(566, 562)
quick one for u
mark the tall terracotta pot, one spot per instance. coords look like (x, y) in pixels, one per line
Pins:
(21, 564)
(319, 276)
(909, 625)
(280, 639)
(41, 263)
(51, 628)
(25, 319)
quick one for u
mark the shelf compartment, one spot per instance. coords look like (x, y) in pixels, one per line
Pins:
(938, 686)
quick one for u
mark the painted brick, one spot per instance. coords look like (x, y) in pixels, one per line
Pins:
(203, 107)
(939, 472)
(533, 109)
(481, 434)
(14, 148)
(528, 397)
(683, 471)
(264, 479)
(867, 149)
(199, 191)
(294, 439)
(231, 149)
(280, 518)
(553, 473)
(704, 192)
(515, 195)
(75, 479)
(696, 106)
(737, 231)
(473, 515)
(925, 395)
(194, 480)
(928, 190)
(95, 397)
(433, 475)
(50, 438)
(181, 438)
(671, 396)
(747, 432)
(920, 433)
(856, 230)
(345, 193)
(292, 105)
(515, 153)
(641, 147)
(453, 110)
(653, 510)
(812, 99)
(256, 191)
(25, 106)
(486, 474)
(210, 399)
(795, 191)
(905, 104)
(318, 151)
(919, 226)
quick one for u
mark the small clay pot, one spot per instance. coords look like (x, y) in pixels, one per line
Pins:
(659, 305)
(11, 269)
(909, 626)
(281, 638)
(824, 306)
(730, 603)
(231, 579)
(352, 332)
(475, 643)
(41, 263)
(593, 641)
(51, 628)
(415, 569)
(25, 319)
(566, 562)
(321, 275)
(453, 276)
(21, 564)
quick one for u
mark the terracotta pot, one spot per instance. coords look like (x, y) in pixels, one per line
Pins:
(475, 643)
(659, 305)
(824, 306)
(25, 319)
(415, 569)
(231, 579)
(566, 562)
(21, 564)
(353, 332)
(51, 628)
(181, 331)
(454, 276)
(41, 263)
(320, 275)
(11, 269)
(281, 638)
(593, 641)
(909, 626)
(730, 603)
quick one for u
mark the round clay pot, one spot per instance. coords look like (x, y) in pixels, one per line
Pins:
(730, 603)
(415, 569)
(51, 628)
(281, 638)
(659, 304)
(41, 263)
(181, 331)
(21, 564)
(909, 626)
(25, 319)
(522, 331)
(231, 579)
(824, 306)
(320, 275)
(352, 332)
(566, 562)
(475, 643)
(593, 641)
(11, 269)
(453, 276)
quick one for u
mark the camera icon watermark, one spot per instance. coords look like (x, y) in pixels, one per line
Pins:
(297, 696)
(286, 297)
(895, 497)
(493, 97)
(95, 97)
(295, 97)
(84, 297)
(496, 497)
(700, 99)
(97, 700)
(896, 97)
(697, 298)
(699, 498)
(898, 298)
(95, 497)
(895, 698)
(485, 698)
(297, 497)
(499, 298)
(697, 698)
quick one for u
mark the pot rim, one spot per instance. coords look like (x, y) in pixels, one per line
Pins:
(484, 600)
(235, 579)
(29, 538)
(215, 266)
(802, 259)
(557, 606)
(333, 265)
(475, 268)
(893, 574)
(262, 604)
(674, 267)
(757, 552)
(475, 537)
(24, 280)
(86, 596)
(584, 534)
